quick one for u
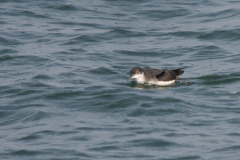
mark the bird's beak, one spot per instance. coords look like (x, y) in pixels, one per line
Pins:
(129, 78)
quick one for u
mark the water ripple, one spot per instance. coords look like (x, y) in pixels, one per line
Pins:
(220, 79)
(164, 14)
(63, 79)
(8, 41)
(230, 35)
(151, 143)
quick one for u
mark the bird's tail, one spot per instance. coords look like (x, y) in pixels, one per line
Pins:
(178, 71)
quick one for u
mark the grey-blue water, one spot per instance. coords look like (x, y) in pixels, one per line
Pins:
(63, 80)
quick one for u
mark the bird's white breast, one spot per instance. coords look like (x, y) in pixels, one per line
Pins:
(139, 78)
(162, 83)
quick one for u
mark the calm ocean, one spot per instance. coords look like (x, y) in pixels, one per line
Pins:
(64, 92)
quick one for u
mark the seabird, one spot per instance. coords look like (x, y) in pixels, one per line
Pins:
(158, 77)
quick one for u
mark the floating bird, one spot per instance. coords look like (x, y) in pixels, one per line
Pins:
(158, 77)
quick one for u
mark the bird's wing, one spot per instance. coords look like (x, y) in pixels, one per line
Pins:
(153, 73)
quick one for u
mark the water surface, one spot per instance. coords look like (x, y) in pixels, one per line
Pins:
(64, 90)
